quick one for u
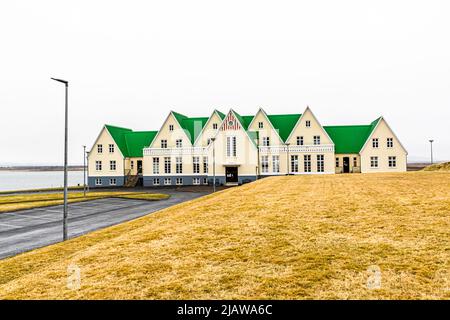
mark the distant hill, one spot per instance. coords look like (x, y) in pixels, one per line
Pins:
(444, 166)
(39, 168)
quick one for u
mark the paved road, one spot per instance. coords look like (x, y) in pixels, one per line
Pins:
(29, 229)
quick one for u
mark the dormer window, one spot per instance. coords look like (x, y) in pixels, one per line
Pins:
(260, 125)
(170, 127)
(215, 126)
(308, 123)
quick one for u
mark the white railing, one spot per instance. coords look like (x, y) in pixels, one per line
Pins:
(174, 151)
(312, 148)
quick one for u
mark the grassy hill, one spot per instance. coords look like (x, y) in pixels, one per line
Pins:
(296, 237)
(444, 166)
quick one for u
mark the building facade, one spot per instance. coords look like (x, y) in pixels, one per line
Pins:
(237, 149)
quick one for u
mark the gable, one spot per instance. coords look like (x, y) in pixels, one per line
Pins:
(171, 136)
(234, 121)
(308, 133)
(208, 131)
(382, 131)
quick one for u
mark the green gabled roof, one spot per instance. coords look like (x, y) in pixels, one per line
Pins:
(221, 115)
(244, 120)
(284, 123)
(192, 126)
(350, 139)
(130, 142)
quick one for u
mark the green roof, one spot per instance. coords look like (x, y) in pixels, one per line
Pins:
(131, 142)
(350, 139)
(284, 123)
(192, 126)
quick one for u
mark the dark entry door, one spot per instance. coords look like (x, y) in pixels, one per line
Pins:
(231, 174)
(139, 166)
(346, 164)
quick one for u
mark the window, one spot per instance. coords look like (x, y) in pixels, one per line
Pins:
(375, 142)
(178, 165)
(179, 181)
(266, 141)
(355, 161)
(196, 164)
(112, 165)
(98, 165)
(163, 143)
(132, 164)
(392, 161)
(316, 139)
(337, 162)
(294, 163)
(390, 142)
(208, 141)
(99, 148)
(205, 164)
(98, 181)
(264, 164)
(111, 148)
(167, 181)
(179, 143)
(320, 163)
(300, 140)
(260, 125)
(156, 181)
(308, 124)
(155, 165)
(215, 126)
(170, 127)
(307, 162)
(205, 180)
(167, 164)
(276, 164)
(196, 181)
(374, 162)
(112, 181)
(231, 146)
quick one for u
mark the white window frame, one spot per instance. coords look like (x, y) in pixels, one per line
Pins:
(215, 126)
(179, 143)
(337, 162)
(100, 148)
(205, 180)
(167, 165)
(299, 140)
(355, 161)
(308, 123)
(98, 181)
(163, 143)
(113, 182)
(392, 161)
(196, 164)
(307, 162)
(170, 127)
(195, 181)
(276, 164)
(260, 125)
(374, 162)
(316, 140)
(111, 148)
(155, 165)
(156, 181)
(264, 164)
(390, 142)
(112, 165)
(98, 165)
(266, 141)
(178, 165)
(132, 164)
(294, 163)
(179, 181)
(231, 146)
(320, 163)
(167, 181)
(205, 164)
(375, 143)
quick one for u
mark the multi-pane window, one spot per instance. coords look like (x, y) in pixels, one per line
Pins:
(205, 164)
(276, 164)
(337, 162)
(156, 181)
(308, 123)
(374, 162)
(196, 181)
(215, 126)
(179, 143)
(112, 182)
(98, 181)
(196, 164)
(231, 146)
(167, 164)
(375, 142)
(355, 161)
(320, 163)
(392, 161)
(300, 140)
(163, 143)
(260, 125)
(205, 180)
(179, 181)
(316, 139)
(307, 162)
(111, 148)
(112, 165)
(98, 165)
(170, 127)
(155, 165)
(167, 181)
(390, 142)
(179, 165)
(132, 164)
(266, 141)
(264, 164)
(99, 148)
(294, 163)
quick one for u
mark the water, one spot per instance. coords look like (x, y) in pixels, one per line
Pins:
(21, 180)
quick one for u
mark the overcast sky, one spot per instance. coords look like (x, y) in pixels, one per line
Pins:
(130, 62)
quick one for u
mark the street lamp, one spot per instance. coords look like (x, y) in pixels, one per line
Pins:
(214, 164)
(84, 171)
(431, 145)
(65, 209)
(287, 157)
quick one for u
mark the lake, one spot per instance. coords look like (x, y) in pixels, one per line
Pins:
(20, 180)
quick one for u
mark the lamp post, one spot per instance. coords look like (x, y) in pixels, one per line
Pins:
(214, 164)
(287, 158)
(431, 145)
(84, 171)
(65, 209)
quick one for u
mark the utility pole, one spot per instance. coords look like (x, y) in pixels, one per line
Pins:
(65, 209)
(214, 164)
(84, 171)
(431, 145)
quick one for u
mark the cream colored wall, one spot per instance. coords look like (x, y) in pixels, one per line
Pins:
(171, 137)
(105, 139)
(128, 165)
(309, 133)
(382, 132)
(267, 130)
(353, 169)
(187, 162)
(208, 131)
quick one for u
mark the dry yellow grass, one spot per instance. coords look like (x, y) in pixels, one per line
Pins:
(296, 237)
(444, 166)
(28, 201)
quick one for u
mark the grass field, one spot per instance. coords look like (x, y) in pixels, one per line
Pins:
(373, 236)
(28, 201)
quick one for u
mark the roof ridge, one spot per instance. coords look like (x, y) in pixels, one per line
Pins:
(117, 127)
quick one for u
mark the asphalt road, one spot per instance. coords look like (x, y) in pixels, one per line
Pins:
(25, 230)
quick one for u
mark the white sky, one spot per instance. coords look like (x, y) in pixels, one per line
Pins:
(130, 62)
